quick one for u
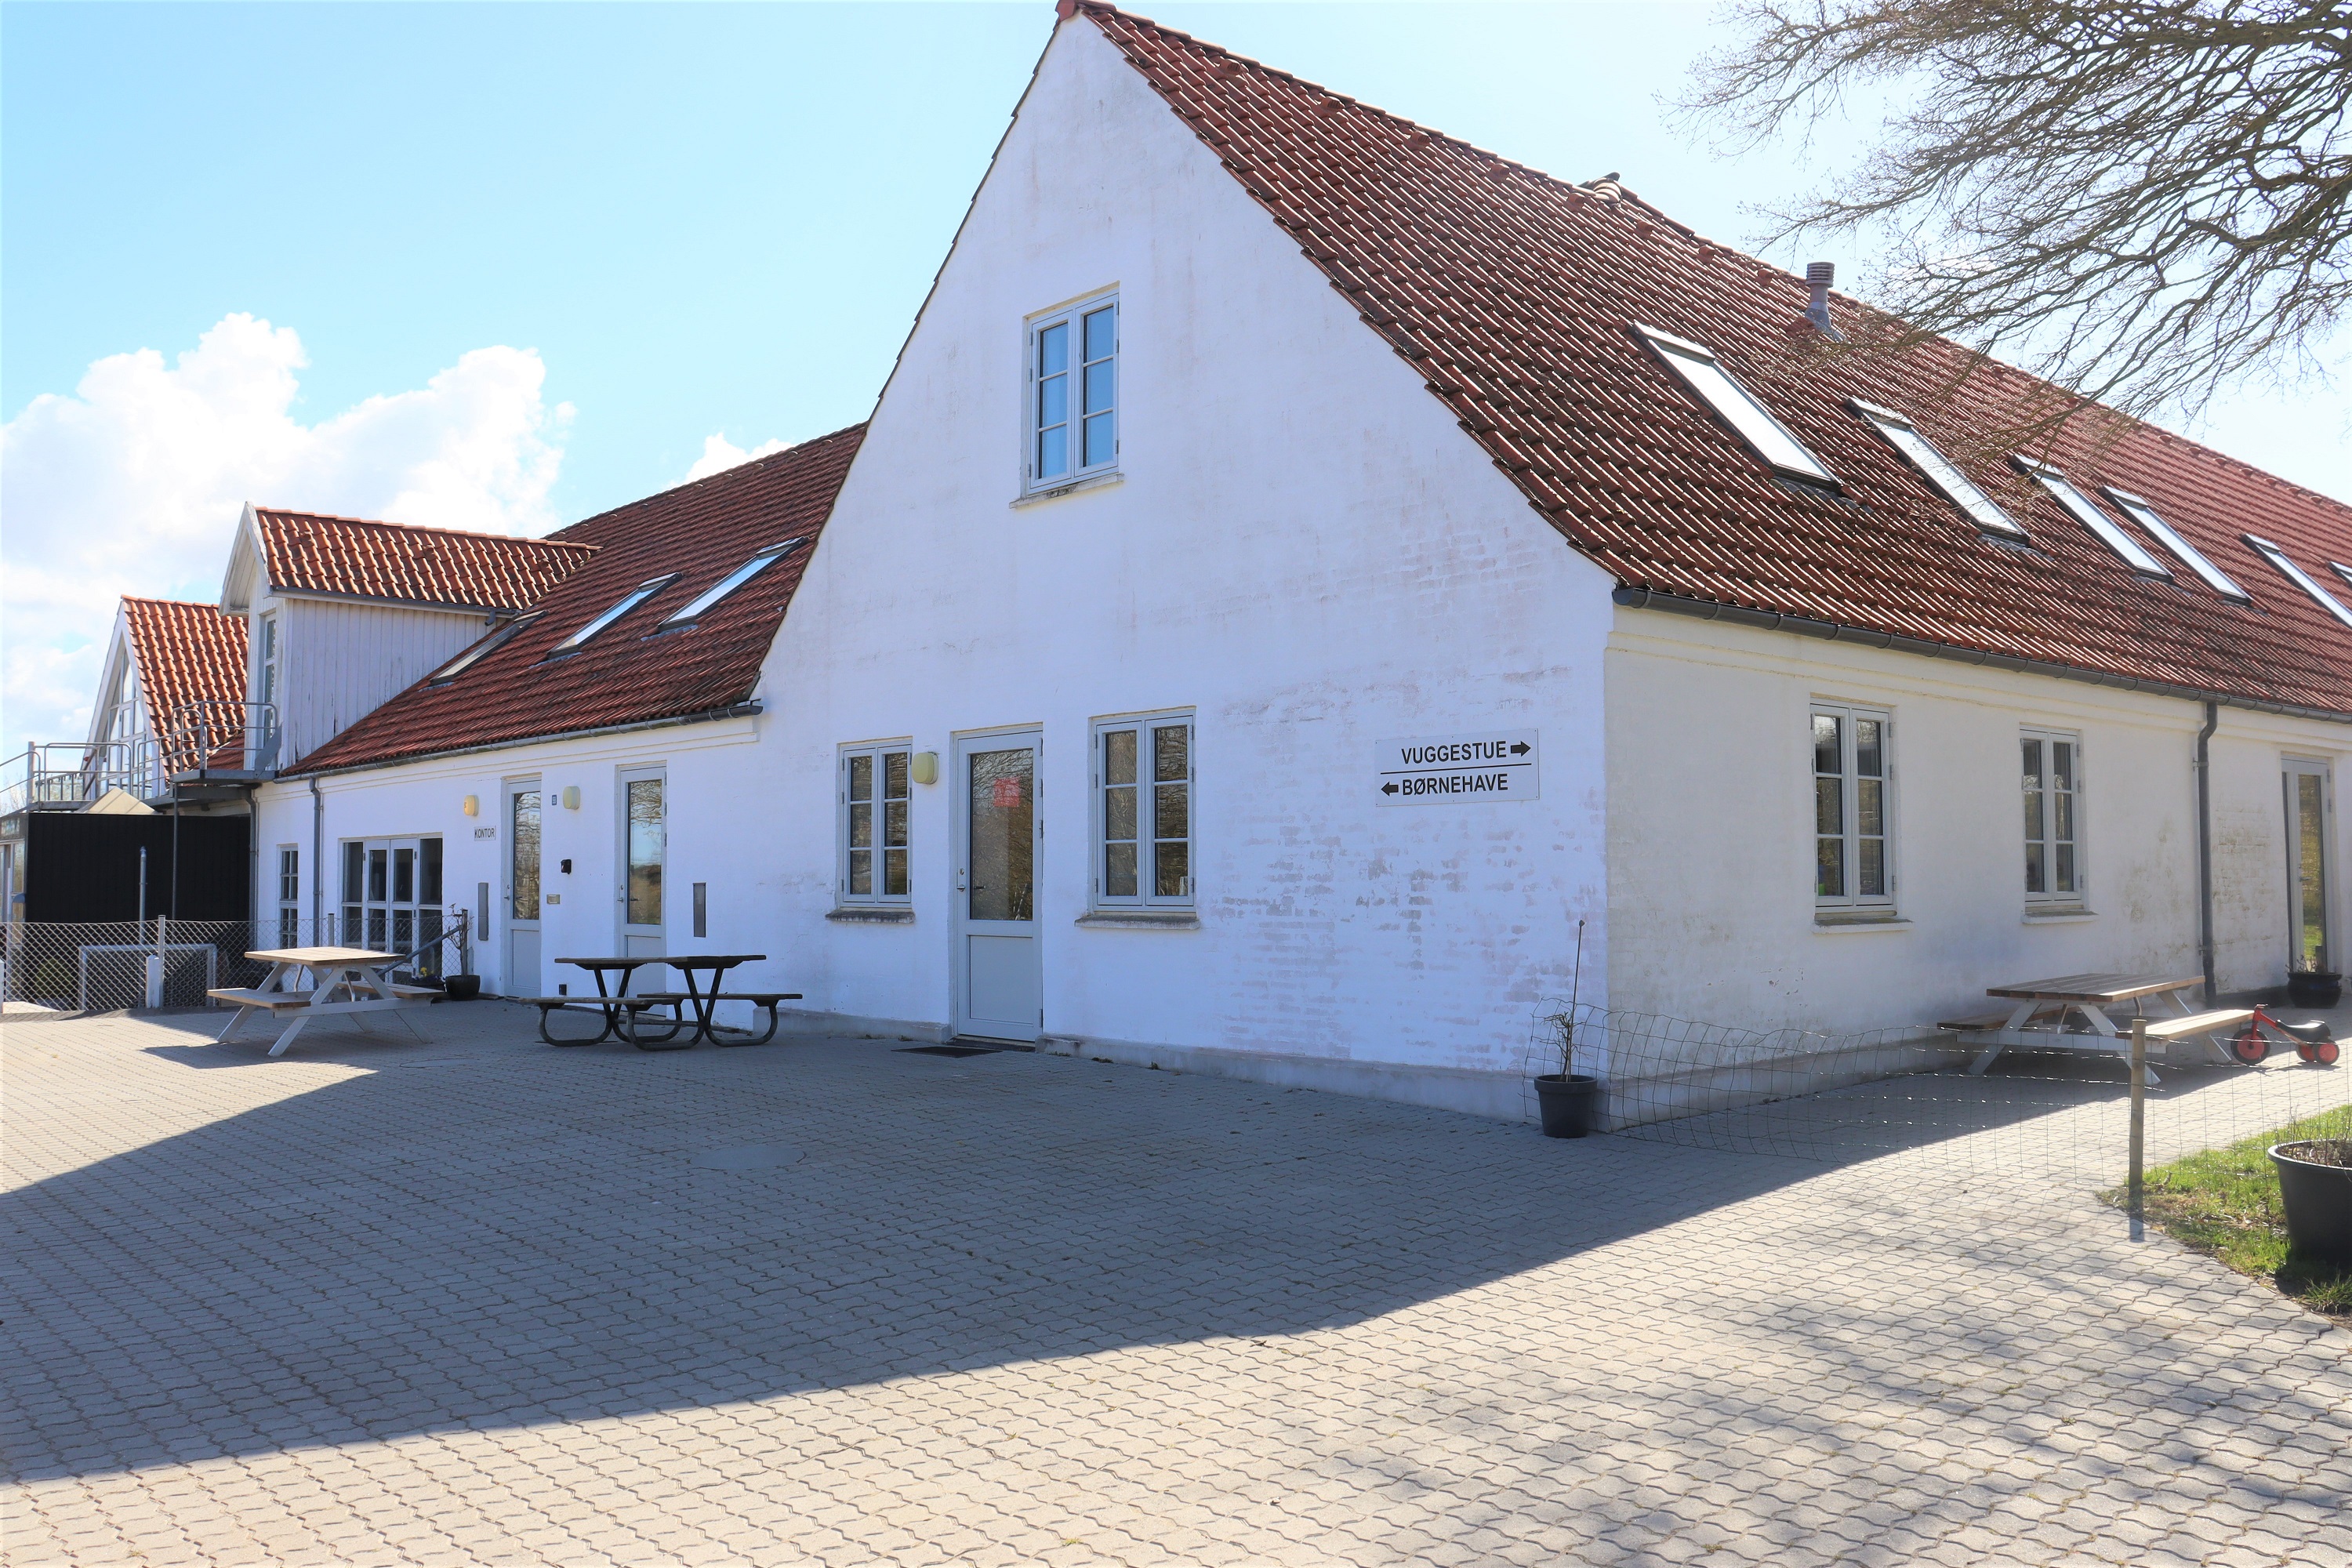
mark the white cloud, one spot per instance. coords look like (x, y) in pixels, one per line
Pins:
(133, 485)
(720, 454)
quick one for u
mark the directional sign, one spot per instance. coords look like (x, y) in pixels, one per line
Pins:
(1456, 770)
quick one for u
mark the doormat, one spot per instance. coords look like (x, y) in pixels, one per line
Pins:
(951, 1050)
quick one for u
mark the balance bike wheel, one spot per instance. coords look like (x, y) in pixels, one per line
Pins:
(2327, 1051)
(2250, 1047)
(2303, 1049)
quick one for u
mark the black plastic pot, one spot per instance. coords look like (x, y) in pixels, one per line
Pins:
(1570, 1101)
(2318, 1201)
(2314, 987)
(462, 987)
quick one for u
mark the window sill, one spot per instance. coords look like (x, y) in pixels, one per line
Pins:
(1091, 483)
(871, 915)
(2059, 915)
(1827, 921)
(1140, 920)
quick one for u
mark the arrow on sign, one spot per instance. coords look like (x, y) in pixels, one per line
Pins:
(1521, 750)
(1389, 788)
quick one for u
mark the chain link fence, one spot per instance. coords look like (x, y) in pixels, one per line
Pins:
(1838, 1097)
(75, 968)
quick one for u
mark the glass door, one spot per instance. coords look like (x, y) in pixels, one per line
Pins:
(521, 976)
(2309, 867)
(1000, 976)
(391, 898)
(644, 855)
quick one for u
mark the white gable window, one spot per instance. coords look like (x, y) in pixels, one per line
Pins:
(1940, 471)
(2299, 577)
(2085, 511)
(629, 601)
(1737, 406)
(2144, 514)
(1852, 816)
(2052, 775)
(480, 650)
(1073, 394)
(702, 603)
(1144, 812)
(874, 826)
(265, 657)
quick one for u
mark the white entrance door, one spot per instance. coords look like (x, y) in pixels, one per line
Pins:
(521, 975)
(1000, 976)
(2310, 873)
(644, 851)
(392, 893)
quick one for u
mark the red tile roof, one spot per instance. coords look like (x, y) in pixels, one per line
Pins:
(351, 557)
(1512, 295)
(187, 654)
(626, 675)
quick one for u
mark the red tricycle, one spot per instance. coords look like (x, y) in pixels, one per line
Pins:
(2315, 1042)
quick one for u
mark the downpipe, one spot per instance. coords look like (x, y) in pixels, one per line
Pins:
(2205, 848)
(317, 849)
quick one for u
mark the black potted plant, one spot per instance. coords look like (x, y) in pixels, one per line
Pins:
(2308, 985)
(1570, 1100)
(2316, 1189)
(461, 987)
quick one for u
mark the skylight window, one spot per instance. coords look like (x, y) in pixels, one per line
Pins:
(2342, 571)
(728, 584)
(480, 650)
(629, 601)
(1942, 473)
(2300, 578)
(2086, 512)
(2142, 513)
(1703, 375)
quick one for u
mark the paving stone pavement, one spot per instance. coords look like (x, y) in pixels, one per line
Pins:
(476, 1301)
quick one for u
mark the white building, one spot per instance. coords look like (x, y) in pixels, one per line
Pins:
(1302, 566)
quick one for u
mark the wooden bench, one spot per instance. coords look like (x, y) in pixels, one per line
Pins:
(2160, 1030)
(1993, 1020)
(273, 1001)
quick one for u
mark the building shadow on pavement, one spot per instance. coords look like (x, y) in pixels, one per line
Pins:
(524, 1235)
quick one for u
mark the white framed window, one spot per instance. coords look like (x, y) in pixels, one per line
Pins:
(875, 836)
(2299, 577)
(701, 603)
(1143, 778)
(1853, 778)
(1072, 393)
(1939, 470)
(2085, 511)
(2143, 514)
(1700, 371)
(265, 660)
(2051, 776)
(289, 896)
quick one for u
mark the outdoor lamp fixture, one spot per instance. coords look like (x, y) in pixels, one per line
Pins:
(570, 797)
(473, 806)
(926, 768)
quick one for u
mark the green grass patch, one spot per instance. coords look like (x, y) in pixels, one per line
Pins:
(2225, 1204)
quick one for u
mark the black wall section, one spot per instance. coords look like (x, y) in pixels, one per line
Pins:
(79, 866)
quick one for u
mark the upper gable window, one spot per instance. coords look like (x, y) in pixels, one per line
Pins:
(1073, 394)
(701, 604)
(1772, 441)
(2142, 513)
(1940, 471)
(2086, 512)
(629, 601)
(2300, 578)
(480, 650)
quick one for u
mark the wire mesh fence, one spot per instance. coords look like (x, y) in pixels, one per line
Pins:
(1840, 1096)
(72, 967)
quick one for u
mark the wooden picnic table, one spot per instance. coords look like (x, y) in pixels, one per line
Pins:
(624, 1014)
(2070, 1012)
(354, 980)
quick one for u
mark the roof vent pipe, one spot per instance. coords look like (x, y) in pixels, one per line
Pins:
(1818, 275)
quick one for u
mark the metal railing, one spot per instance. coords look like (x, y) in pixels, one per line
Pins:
(68, 967)
(222, 737)
(67, 773)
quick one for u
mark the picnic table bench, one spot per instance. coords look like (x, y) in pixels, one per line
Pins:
(2070, 1012)
(624, 1014)
(353, 980)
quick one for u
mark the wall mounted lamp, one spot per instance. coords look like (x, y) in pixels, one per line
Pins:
(473, 806)
(926, 768)
(570, 797)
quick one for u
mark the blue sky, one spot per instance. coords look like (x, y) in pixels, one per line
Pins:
(648, 225)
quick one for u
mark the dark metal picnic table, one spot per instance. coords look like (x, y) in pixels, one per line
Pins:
(626, 1021)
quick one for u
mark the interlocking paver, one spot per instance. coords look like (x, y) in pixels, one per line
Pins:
(1021, 1309)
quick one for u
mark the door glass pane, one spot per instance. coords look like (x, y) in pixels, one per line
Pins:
(428, 928)
(646, 837)
(1827, 748)
(522, 839)
(375, 932)
(2311, 872)
(1004, 837)
(403, 930)
(354, 857)
(404, 876)
(377, 862)
(428, 871)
